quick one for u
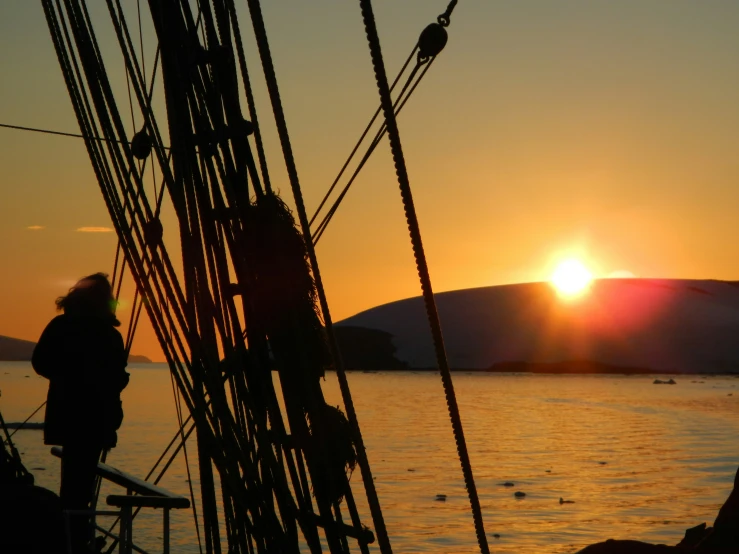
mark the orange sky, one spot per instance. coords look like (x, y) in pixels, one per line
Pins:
(595, 129)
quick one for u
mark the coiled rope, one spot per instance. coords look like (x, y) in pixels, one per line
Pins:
(260, 33)
(423, 272)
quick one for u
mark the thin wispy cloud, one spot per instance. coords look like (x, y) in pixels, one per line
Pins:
(35, 227)
(94, 230)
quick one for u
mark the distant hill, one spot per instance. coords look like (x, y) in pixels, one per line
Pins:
(18, 350)
(15, 350)
(621, 325)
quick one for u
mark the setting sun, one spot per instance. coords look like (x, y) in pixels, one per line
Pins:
(571, 278)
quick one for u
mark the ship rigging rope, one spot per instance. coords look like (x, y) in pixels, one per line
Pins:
(80, 99)
(178, 409)
(64, 134)
(249, 96)
(398, 106)
(26, 420)
(159, 196)
(136, 307)
(82, 136)
(180, 435)
(423, 272)
(424, 58)
(260, 33)
(361, 138)
(163, 336)
(189, 403)
(77, 95)
(150, 265)
(60, 133)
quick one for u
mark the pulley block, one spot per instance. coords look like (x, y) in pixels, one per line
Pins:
(141, 145)
(432, 40)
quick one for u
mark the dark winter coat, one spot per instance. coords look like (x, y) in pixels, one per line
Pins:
(84, 359)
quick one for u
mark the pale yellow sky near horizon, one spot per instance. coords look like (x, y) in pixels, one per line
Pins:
(595, 129)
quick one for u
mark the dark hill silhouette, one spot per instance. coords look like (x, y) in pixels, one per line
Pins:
(621, 325)
(138, 359)
(15, 350)
(18, 350)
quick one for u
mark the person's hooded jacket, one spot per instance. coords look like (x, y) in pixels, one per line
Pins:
(84, 359)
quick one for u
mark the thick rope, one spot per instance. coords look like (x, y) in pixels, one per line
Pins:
(423, 272)
(249, 97)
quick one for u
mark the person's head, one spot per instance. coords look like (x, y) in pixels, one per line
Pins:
(91, 296)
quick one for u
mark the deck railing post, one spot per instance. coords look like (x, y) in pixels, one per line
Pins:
(139, 494)
(126, 545)
(165, 548)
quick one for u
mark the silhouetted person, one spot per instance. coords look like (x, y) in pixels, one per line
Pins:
(82, 354)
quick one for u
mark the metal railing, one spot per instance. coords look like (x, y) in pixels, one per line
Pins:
(139, 494)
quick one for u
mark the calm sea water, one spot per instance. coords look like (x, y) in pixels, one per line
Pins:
(639, 460)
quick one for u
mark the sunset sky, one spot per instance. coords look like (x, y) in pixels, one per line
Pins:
(548, 129)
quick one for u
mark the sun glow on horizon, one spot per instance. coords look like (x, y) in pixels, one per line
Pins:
(571, 278)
